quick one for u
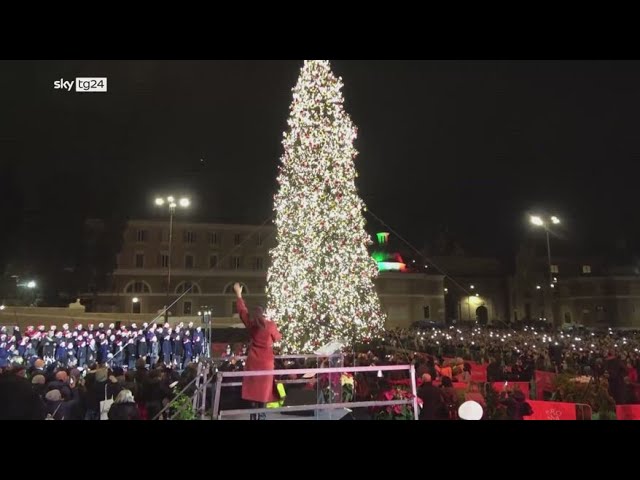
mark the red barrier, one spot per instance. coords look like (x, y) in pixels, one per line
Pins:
(479, 372)
(628, 412)
(522, 386)
(544, 383)
(552, 410)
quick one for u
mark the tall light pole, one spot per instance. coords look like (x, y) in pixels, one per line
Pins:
(540, 221)
(170, 201)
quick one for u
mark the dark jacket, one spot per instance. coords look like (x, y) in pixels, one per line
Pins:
(48, 347)
(131, 351)
(64, 409)
(62, 387)
(91, 354)
(517, 406)
(124, 411)
(142, 349)
(188, 348)
(166, 347)
(18, 401)
(494, 372)
(433, 406)
(103, 352)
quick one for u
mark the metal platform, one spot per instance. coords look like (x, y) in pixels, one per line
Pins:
(320, 415)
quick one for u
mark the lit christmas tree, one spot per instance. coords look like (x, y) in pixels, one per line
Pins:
(320, 283)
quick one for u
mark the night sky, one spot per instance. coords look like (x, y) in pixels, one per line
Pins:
(469, 146)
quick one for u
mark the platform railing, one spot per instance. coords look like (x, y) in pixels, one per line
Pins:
(218, 414)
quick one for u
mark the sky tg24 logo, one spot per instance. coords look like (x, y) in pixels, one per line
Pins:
(82, 84)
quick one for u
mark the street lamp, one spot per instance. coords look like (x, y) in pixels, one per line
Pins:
(539, 221)
(170, 201)
(31, 284)
(205, 316)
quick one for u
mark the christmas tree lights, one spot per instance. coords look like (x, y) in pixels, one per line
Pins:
(320, 283)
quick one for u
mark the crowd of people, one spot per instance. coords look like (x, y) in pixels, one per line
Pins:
(67, 373)
(99, 392)
(121, 346)
(580, 352)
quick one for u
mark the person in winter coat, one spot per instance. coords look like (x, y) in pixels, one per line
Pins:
(264, 333)
(124, 407)
(178, 352)
(18, 401)
(167, 350)
(131, 354)
(4, 355)
(119, 354)
(142, 349)
(82, 354)
(517, 406)
(103, 351)
(38, 385)
(61, 353)
(58, 407)
(49, 348)
(22, 347)
(197, 342)
(155, 392)
(188, 348)
(92, 354)
(154, 350)
(433, 404)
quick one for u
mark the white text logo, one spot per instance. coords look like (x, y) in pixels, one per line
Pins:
(83, 84)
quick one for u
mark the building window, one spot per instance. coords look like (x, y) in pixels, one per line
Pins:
(586, 269)
(135, 307)
(258, 263)
(236, 263)
(259, 240)
(234, 307)
(427, 312)
(137, 287)
(139, 260)
(213, 238)
(189, 237)
(554, 269)
(189, 261)
(141, 236)
(213, 261)
(164, 260)
(186, 308)
(185, 286)
(599, 308)
(236, 239)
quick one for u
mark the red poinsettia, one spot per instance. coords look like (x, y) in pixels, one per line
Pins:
(397, 412)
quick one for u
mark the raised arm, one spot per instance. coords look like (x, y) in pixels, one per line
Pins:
(242, 308)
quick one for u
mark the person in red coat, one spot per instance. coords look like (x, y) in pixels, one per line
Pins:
(259, 390)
